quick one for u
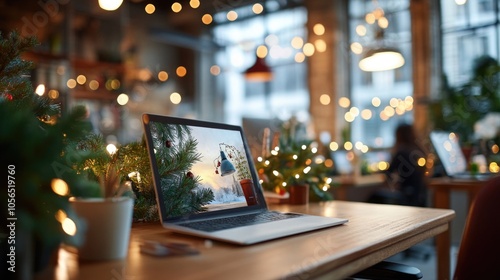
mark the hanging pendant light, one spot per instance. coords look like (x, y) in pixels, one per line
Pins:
(110, 5)
(259, 71)
(226, 167)
(381, 56)
(381, 59)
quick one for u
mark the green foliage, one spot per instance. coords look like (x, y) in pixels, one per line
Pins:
(34, 145)
(35, 149)
(462, 106)
(14, 76)
(176, 153)
(131, 164)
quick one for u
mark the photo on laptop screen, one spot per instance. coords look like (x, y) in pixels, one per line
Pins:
(201, 169)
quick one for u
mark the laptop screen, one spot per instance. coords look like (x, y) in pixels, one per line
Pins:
(449, 152)
(199, 167)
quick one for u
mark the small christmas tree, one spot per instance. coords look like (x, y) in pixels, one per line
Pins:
(34, 150)
(292, 161)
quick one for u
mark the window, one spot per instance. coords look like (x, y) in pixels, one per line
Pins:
(287, 93)
(469, 31)
(384, 96)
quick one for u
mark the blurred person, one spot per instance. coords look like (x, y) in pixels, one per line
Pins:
(405, 176)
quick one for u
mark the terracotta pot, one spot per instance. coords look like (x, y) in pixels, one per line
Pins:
(299, 194)
(248, 190)
(108, 224)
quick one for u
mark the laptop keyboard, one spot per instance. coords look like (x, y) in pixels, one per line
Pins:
(239, 221)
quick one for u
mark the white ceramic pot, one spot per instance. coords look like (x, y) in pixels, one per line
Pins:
(108, 224)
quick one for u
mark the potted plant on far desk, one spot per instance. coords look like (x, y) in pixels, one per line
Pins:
(107, 218)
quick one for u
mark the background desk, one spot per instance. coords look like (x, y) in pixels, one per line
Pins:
(442, 188)
(373, 233)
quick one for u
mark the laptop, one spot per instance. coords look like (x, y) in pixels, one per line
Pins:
(451, 156)
(206, 184)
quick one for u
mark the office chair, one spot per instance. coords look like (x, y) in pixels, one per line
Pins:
(479, 251)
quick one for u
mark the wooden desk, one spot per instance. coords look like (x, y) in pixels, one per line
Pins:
(442, 188)
(373, 233)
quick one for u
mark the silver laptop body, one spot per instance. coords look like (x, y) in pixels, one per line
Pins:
(203, 173)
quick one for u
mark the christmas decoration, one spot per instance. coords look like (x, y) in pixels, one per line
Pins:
(292, 160)
(38, 158)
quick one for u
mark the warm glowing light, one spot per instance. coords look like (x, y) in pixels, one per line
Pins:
(361, 30)
(297, 43)
(71, 83)
(110, 5)
(383, 22)
(195, 4)
(53, 94)
(344, 102)
(111, 148)
(175, 98)
(257, 8)
(69, 227)
(93, 85)
(348, 145)
(354, 111)
(319, 29)
(349, 117)
(300, 57)
(452, 136)
(303, 147)
(215, 70)
(162, 76)
(295, 157)
(122, 99)
(358, 145)
(324, 99)
(61, 216)
(150, 9)
(329, 163)
(494, 168)
(394, 102)
(370, 18)
(115, 84)
(308, 49)
(40, 89)
(81, 79)
(366, 114)
(206, 19)
(356, 48)
(334, 146)
(59, 186)
(421, 161)
(176, 7)
(307, 169)
(389, 111)
(276, 173)
(383, 165)
(376, 101)
(181, 71)
(495, 149)
(232, 15)
(320, 45)
(261, 51)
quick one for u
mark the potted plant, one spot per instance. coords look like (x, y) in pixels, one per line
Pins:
(108, 217)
